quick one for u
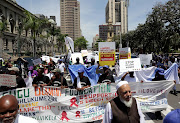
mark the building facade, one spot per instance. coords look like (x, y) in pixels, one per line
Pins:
(103, 30)
(117, 11)
(70, 18)
(95, 38)
(13, 14)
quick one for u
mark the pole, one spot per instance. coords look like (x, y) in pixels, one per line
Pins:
(120, 38)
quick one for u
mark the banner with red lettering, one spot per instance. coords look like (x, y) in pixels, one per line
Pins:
(50, 104)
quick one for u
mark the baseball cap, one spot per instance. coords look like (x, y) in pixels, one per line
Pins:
(14, 69)
(80, 70)
(160, 71)
(172, 117)
(106, 66)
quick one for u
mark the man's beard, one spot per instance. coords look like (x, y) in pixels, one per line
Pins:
(8, 120)
(127, 103)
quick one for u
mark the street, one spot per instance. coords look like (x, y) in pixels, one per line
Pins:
(174, 103)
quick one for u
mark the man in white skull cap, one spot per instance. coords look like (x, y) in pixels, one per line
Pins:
(124, 108)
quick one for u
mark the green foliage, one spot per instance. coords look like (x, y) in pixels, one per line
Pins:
(81, 43)
(99, 40)
(160, 32)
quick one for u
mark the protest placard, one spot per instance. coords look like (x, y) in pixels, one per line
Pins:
(125, 53)
(50, 104)
(106, 53)
(76, 55)
(7, 80)
(37, 61)
(127, 65)
(145, 58)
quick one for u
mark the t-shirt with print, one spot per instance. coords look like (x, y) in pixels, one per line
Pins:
(104, 78)
(84, 82)
(57, 82)
(41, 80)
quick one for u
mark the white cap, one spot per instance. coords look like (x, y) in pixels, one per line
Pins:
(121, 83)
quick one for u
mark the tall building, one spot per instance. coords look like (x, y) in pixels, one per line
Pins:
(70, 18)
(103, 30)
(117, 11)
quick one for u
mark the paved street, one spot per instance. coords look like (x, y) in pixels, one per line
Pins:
(174, 103)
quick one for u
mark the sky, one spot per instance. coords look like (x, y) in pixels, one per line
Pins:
(92, 13)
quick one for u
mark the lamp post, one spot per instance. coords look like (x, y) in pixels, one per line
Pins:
(52, 33)
(1, 39)
(120, 38)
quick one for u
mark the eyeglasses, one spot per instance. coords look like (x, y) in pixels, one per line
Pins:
(126, 92)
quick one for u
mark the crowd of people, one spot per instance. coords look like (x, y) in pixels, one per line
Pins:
(53, 74)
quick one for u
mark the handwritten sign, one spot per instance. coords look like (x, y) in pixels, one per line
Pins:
(127, 65)
(7, 80)
(145, 58)
(37, 61)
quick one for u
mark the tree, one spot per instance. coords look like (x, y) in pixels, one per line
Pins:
(61, 41)
(32, 23)
(96, 45)
(81, 43)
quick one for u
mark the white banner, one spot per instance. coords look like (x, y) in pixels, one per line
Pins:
(127, 65)
(7, 80)
(145, 58)
(69, 43)
(37, 61)
(50, 104)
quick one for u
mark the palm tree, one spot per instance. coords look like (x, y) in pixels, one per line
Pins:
(53, 31)
(32, 23)
(61, 41)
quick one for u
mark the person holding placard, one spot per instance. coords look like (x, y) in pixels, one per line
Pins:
(40, 79)
(58, 80)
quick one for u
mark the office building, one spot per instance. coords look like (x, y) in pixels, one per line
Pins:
(70, 18)
(117, 11)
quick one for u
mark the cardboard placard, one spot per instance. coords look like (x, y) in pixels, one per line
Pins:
(127, 65)
(7, 80)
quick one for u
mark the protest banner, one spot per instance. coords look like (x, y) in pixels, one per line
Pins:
(145, 58)
(7, 80)
(37, 61)
(50, 104)
(106, 53)
(84, 53)
(127, 65)
(69, 44)
(46, 58)
(125, 53)
(76, 55)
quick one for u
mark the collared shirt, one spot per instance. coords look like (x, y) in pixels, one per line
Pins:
(24, 119)
(108, 115)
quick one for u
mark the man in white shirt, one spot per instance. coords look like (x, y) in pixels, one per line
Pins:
(123, 108)
(61, 66)
(9, 111)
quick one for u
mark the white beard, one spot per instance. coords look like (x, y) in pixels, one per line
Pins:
(127, 103)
